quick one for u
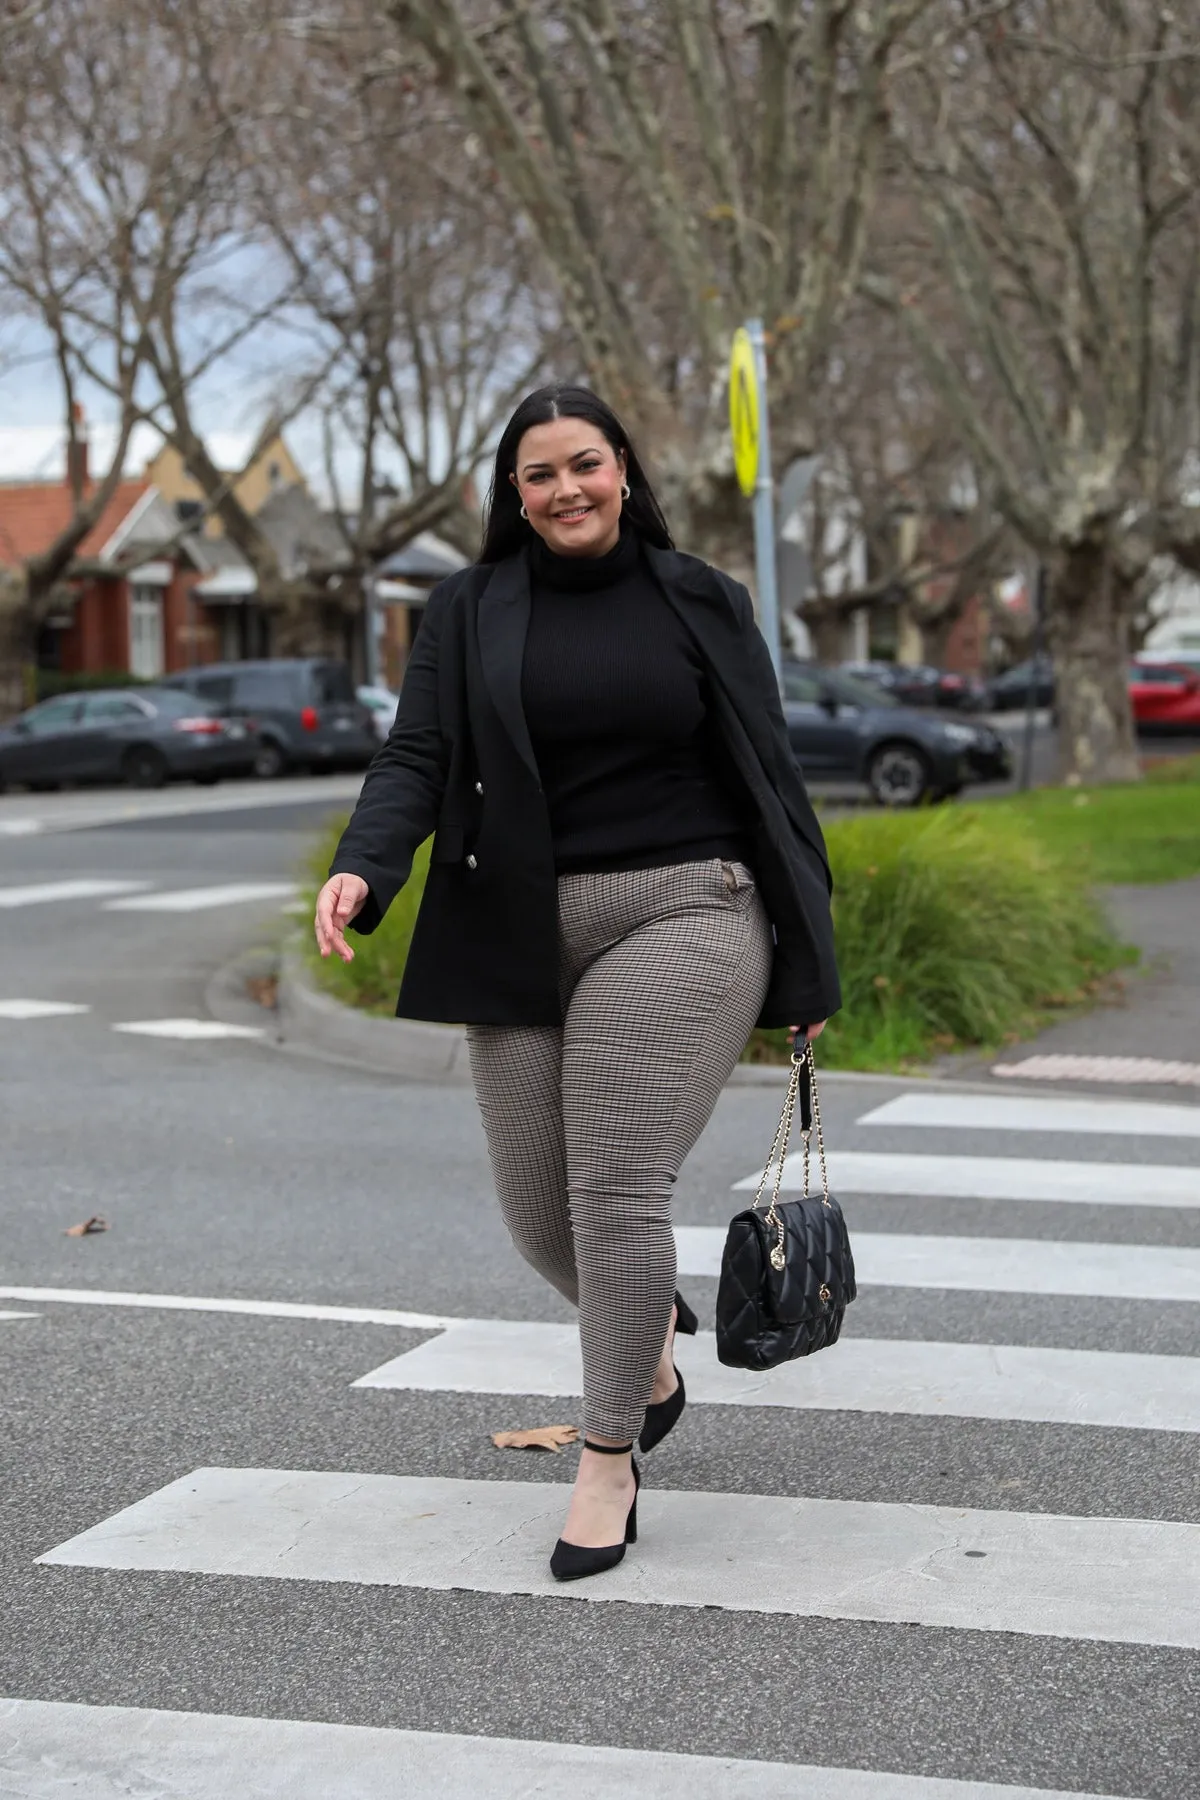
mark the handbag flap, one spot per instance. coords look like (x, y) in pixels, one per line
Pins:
(817, 1271)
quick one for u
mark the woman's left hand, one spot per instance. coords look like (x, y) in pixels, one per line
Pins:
(814, 1031)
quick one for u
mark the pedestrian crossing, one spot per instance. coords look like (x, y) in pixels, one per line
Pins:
(1092, 1581)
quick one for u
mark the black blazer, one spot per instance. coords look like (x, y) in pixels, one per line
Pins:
(459, 761)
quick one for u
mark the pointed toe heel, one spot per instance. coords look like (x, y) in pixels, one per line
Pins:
(573, 1562)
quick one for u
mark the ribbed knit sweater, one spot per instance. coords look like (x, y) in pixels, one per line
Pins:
(616, 700)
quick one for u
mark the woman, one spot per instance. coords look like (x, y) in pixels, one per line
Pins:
(626, 877)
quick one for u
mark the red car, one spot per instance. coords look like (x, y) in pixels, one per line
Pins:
(1165, 696)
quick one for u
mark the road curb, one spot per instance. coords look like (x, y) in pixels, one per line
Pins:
(413, 1049)
(410, 1048)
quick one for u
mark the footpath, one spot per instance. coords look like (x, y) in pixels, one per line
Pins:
(1141, 1038)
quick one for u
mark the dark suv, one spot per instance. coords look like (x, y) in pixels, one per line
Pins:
(307, 713)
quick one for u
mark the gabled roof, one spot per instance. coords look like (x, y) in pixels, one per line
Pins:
(33, 513)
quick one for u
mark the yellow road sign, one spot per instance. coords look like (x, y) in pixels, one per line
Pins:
(744, 410)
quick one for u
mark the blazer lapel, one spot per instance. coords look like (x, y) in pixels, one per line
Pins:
(502, 623)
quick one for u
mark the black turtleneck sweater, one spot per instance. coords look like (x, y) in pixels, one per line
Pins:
(616, 699)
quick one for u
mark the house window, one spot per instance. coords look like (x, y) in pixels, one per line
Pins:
(145, 632)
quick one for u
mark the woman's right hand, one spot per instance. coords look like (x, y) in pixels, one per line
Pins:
(340, 900)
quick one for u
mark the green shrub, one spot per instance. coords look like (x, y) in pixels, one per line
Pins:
(372, 980)
(956, 927)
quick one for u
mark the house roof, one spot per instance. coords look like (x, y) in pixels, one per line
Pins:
(427, 558)
(32, 513)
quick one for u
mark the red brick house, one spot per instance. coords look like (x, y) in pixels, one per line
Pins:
(136, 615)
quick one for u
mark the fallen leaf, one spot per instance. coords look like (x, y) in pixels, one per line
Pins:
(541, 1437)
(95, 1223)
(264, 990)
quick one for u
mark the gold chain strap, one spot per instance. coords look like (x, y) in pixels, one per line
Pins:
(779, 1147)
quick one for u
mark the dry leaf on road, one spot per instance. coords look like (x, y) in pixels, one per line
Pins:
(95, 1223)
(541, 1437)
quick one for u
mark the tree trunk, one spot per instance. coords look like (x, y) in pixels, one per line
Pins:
(1088, 614)
(826, 622)
(18, 645)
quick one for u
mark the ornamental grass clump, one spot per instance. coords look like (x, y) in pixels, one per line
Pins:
(955, 928)
(372, 981)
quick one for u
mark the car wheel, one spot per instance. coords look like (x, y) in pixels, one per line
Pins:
(269, 760)
(144, 767)
(898, 775)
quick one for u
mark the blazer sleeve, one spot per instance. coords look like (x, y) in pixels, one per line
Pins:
(787, 772)
(402, 795)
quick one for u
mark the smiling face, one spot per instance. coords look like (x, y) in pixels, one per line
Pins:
(569, 478)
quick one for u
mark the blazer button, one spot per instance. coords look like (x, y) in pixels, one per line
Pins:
(471, 863)
(479, 787)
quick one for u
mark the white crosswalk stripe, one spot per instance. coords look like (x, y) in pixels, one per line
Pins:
(1086, 1578)
(189, 1030)
(991, 1265)
(43, 893)
(213, 1756)
(184, 900)
(953, 1567)
(40, 1009)
(1017, 1112)
(999, 1178)
(977, 1381)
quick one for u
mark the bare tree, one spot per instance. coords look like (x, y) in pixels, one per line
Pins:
(202, 197)
(680, 168)
(44, 267)
(414, 283)
(1041, 255)
(896, 518)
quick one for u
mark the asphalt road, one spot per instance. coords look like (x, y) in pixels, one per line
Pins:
(229, 1170)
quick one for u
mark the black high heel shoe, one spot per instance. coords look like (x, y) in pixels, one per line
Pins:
(570, 1562)
(663, 1415)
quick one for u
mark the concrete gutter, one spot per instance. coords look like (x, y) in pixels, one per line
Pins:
(309, 1020)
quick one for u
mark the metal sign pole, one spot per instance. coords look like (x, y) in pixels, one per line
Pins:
(764, 507)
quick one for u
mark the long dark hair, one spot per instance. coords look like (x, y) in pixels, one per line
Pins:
(504, 530)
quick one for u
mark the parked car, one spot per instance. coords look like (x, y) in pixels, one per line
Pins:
(308, 714)
(844, 729)
(920, 684)
(143, 736)
(381, 703)
(911, 685)
(1164, 696)
(1010, 692)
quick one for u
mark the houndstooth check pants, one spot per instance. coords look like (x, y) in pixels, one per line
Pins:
(662, 974)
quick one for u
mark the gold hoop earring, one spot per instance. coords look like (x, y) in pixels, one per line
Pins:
(524, 514)
(625, 490)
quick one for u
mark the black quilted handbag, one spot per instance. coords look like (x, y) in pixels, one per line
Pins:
(787, 1275)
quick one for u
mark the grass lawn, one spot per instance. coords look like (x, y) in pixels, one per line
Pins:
(1142, 832)
(958, 927)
